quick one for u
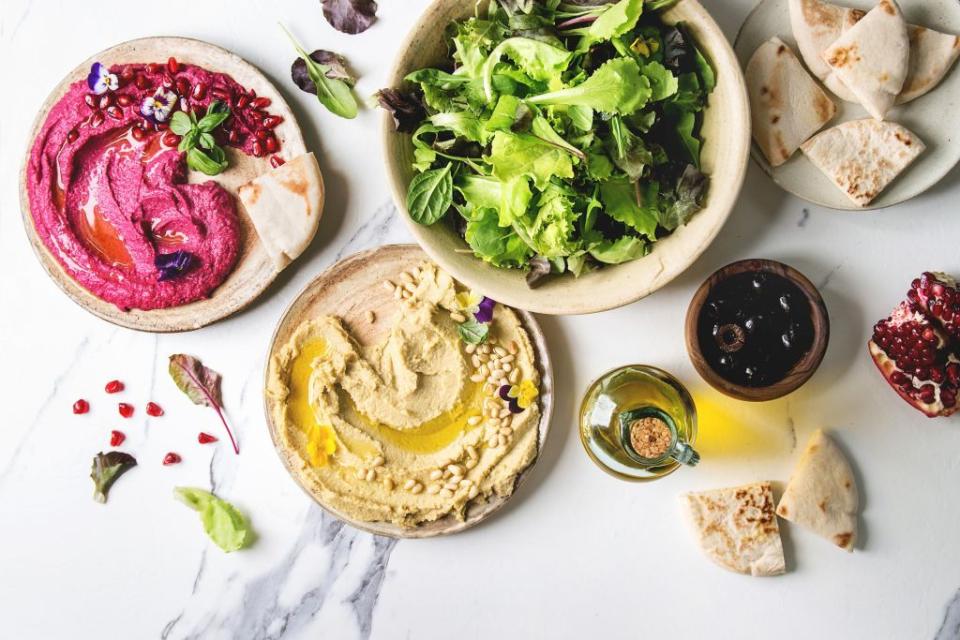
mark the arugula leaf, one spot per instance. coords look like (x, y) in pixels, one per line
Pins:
(107, 467)
(473, 332)
(616, 87)
(201, 384)
(430, 195)
(690, 142)
(223, 522)
(335, 95)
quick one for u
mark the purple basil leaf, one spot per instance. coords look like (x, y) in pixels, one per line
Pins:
(350, 16)
(336, 70)
(406, 108)
(173, 265)
(484, 313)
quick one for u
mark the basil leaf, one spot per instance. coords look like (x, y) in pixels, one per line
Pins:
(207, 141)
(430, 195)
(335, 95)
(211, 166)
(473, 332)
(180, 123)
(217, 112)
(189, 140)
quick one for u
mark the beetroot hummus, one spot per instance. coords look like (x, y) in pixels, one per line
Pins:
(108, 191)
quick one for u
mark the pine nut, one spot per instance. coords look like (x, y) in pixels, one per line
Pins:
(408, 485)
(455, 469)
(389, 484)
(506, 431)
(507, 367)
(458, 317)
(398, 293)
(483, 357)
(389, 286)
(466, 482)
(446, 493)
(406, 277)
(508, 359)
(477, 378)
(501, 441)
(492, 442)
(470, 348)
(471, 463)
(361, 474)
(433, 489)
(471, 451)
(475, 361)
(378, 461)
(473, 493)
(452, 485)
(371, 475)
(504, 413)
(500, 351)
(514, 376)
(417, 488)
(436, 474)
(473, 420)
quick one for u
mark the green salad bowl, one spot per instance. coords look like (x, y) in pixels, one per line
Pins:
(724, 156)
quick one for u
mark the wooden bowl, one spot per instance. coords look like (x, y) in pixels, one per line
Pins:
(800, 372)
(349, 289)
(726, 131)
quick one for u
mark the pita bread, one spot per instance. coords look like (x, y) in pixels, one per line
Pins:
(787, 106)
(931, 55)
(285, 206)
(817, 25)
(822, 493)
(862, 157)
(872, 57)
(737, 528)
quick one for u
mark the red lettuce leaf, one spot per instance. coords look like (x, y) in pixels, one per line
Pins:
(350, 16)
(201, 385)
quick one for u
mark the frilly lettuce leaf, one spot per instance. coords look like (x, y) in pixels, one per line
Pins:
(226, 526)
(616, 87)
(513, 155)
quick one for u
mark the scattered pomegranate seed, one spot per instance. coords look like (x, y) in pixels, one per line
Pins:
(199, 91)
(170, 139)
(161, 126)
(127, 74)
(221, 93)
(124, 100)
(233, 136)
(96, 120)
(272, 145)
(153, 67)
(153, 409)
(206, 438)
(261, 103)
(258, 149)
(126, 410)
(106, 100)
(138, 133)
(115, 112)
(172, 65)
(242, 101)
(183, 86)
(276, 161)
(72, 135)
(142, 82)
(117, 438)
(81, 406)
(114, 386)
(167, 81)
(90, 100)
(272, 122)
(262, 134)
(171, 458)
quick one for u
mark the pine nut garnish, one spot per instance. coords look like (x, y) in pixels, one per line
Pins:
(446, 493)
(507, 367)
(508, 359)
(475, 361)
(361, 474)
(398, 293)
(406, 277)
(514, 376)
(477, 378)
(389, 484)
(378, 461)
(470, 348)
(417, 488)
(473, 493)
(492, 442)
(408, 485)
(371, 475)
(434, 489)
(455, 469)
(458, 317)
(466, 482)
(389, 286)
(501, 441)
(473, 420)
(436, 474)
(452, 485)
(471, 463)
(506, 431)
(500, 351)
(471, 451)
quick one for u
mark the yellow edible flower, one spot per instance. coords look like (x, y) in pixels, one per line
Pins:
(525, 393)
(321, 444)
(468, 300)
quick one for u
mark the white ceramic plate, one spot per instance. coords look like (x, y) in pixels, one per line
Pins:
(932, 116)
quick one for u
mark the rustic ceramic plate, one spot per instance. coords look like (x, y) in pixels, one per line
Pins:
(726, 133)
(254, 270)
(349, 289)
(925, 116)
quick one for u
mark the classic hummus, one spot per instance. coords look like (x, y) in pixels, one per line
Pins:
(108, 187)
(417, 426)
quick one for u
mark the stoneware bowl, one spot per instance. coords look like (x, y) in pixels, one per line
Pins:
(800, 373)
(726, 132)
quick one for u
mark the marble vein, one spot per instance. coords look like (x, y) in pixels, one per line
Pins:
(950, 627)
(372, 232)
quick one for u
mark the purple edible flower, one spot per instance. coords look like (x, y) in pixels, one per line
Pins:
(515, 406)
(484, 312)
(173, 265)
(504, 392)
(100, 80)
(158, 106)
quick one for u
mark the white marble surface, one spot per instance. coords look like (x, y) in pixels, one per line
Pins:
(576, 554)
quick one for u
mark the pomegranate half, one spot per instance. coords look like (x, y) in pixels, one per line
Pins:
(917, 348)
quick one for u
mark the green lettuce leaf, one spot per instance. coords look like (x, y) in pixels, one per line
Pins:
(225, 525)
(619, 198)
(623, 249)
(500, 246)
(539, 60)
(616, 20)
(616, 87)
(513, 155)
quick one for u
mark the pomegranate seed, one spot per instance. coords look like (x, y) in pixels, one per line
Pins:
(171, 458)
(114, 386)
(126, 410)
(183, 86)
(124, 100)
(115, 112)
(221, 93)
(242, 101)
(272, 122)
(261, 134)
(170, 139)
(90, 100)
(137, 133)
(72, 135)
(206, 438)
(172, 65)
(161, 126)
(106, 100)
(234, 136)
(127, 74)
(272, 145)
(81, 406)
(153, 67)
(199, 91)
(153, 409)
(276, 161)
(258, 149)
(96, 120)
(167, 81)
(116, 438)
(261, 103)
(142, 82)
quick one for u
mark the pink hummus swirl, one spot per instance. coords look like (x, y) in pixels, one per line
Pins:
(106, 202)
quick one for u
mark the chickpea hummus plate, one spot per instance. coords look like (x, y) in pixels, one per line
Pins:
(402, 402)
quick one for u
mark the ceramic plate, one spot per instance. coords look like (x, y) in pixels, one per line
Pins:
(349, 289)
(925, 116)
(254, 270)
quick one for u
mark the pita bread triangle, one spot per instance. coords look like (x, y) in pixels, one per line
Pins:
(787, 105)
(737, 528)
(816, 25)
(931, 55)
(872, 57)
(822, 493)
(862, 157)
